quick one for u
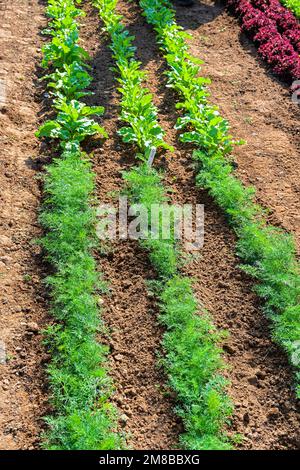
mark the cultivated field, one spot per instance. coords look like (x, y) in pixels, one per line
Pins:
(149, 342)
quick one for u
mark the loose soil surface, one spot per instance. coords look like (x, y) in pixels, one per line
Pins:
(260, 110)
(23, 314)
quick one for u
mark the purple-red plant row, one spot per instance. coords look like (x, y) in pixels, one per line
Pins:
(275, 30)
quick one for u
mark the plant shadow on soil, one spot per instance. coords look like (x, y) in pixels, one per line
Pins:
(201, 13)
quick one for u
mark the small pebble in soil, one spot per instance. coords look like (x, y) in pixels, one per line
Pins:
(32, 327)
(246, 418)
(118, 357)
(123, 420)
(273, 413)
(260, 374)
(253, 380)
(2, 353)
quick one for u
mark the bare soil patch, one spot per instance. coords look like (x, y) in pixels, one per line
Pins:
(23, 314)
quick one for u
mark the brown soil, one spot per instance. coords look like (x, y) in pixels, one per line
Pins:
(22, 382)
(261, 388)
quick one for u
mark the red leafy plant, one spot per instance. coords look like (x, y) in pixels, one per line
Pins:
(275, 30)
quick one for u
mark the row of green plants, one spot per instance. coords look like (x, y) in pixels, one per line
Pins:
(83, 418)
(268, 253)
(192, 356)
